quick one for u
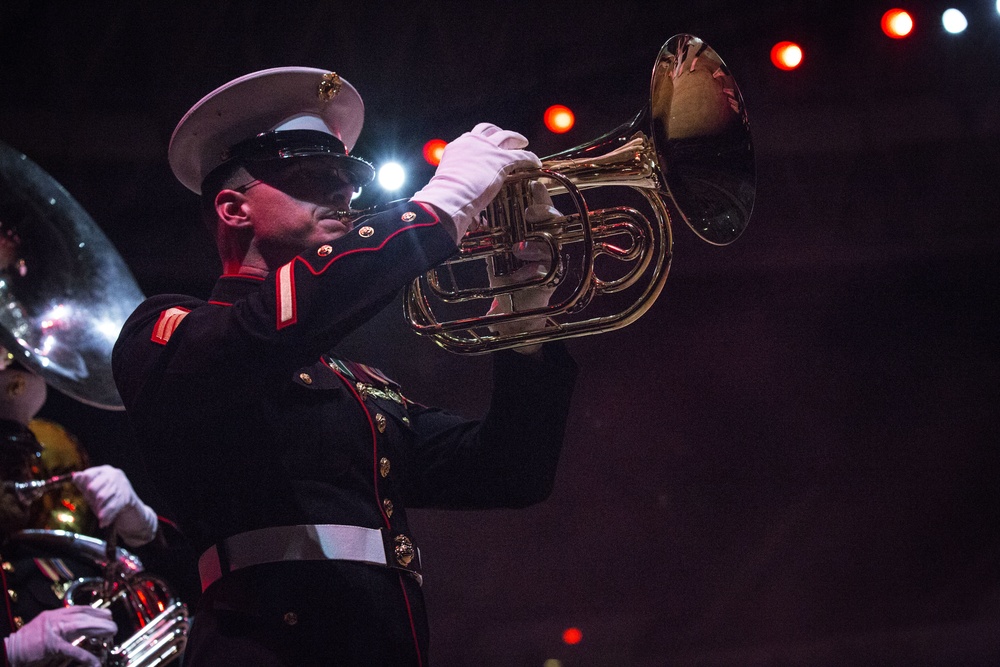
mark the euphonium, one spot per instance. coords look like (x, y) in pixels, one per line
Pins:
(689, 151)
(152, 621)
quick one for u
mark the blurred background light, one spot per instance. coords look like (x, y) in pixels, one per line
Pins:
(572, 636)
(559, 119)
(954, 21)
(786, 55)
(897, 23)
(433, 150)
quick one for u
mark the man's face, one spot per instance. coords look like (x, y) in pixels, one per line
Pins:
(296, 204)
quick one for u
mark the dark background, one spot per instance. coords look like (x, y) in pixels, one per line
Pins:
(790, 460)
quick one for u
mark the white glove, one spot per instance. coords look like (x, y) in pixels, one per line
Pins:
(48, 636)
(538, 260)
(472, 171)
(112, 498)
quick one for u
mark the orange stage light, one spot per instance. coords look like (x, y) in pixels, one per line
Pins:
(786, 55)
(559, 119)
(897, 23)
(433, 150)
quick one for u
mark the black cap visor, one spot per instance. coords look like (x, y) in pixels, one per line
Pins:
(298, 143)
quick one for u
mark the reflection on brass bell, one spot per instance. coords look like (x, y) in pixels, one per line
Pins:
(404, 550)
(63, 507)
(59, 588)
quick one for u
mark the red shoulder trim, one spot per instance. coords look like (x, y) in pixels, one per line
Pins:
(167, 324)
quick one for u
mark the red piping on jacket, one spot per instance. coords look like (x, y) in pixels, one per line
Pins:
(371, 426)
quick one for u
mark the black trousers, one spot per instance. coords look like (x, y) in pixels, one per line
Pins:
(307, 614)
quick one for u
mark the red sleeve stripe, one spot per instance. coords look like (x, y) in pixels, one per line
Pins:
(167, 324)
(287, 314)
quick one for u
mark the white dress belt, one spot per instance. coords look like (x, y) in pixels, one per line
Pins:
(291, 543)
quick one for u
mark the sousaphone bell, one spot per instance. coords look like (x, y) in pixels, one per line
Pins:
(64, 291)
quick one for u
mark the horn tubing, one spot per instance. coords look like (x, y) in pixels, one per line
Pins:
(688, 151)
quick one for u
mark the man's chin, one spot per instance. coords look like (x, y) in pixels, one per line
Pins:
(334, 228)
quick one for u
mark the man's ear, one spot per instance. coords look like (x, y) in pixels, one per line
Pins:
(230, 207)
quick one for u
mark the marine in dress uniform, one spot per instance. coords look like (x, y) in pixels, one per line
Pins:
(290, 467)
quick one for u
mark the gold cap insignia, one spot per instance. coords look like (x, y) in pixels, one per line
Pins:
(329, 86)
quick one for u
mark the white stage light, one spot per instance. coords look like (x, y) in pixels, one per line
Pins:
(954, 21)
(391, 176)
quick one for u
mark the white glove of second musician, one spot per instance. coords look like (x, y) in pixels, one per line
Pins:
(472, 171)
(110, 495)
(49, 635)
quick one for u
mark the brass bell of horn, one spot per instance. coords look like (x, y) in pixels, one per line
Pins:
(689, 152)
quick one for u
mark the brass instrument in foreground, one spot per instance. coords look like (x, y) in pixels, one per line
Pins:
(689, 150)
(152, 622)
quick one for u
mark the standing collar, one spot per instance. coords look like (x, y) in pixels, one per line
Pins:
(229, 289)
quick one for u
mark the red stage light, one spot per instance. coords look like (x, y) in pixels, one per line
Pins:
(572, 636)
(433, 150)
(559, 119)
(897, 23)
(786, 55)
